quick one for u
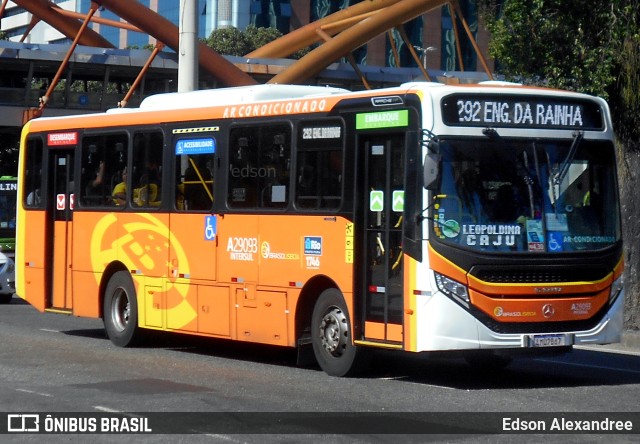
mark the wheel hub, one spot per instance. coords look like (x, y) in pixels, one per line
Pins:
(121, 311)
(334, 331)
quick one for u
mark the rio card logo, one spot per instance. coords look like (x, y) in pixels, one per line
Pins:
(313, 251)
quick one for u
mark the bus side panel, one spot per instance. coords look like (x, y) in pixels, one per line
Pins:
(239, 248)
(193, 246)
(94, 248)
(411, 287)
(32, 239)
(296, 248)
(86, 294)
(140, 242)
(95, 237)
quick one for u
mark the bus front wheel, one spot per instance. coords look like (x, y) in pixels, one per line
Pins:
(331, 336)
(120, 315)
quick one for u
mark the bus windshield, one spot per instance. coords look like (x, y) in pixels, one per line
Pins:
(544, 196)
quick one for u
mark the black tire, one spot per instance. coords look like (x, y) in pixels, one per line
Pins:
(5, 298)
(331, 336)
(120, 315)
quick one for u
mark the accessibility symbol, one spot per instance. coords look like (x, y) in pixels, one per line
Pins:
(376, 200)
(398, 201)
(210, 228)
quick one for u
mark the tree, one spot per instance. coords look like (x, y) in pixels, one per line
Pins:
(591, 47)
(229, 41)
(258, 37)
(233, 42)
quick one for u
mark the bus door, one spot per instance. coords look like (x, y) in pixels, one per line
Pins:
(60, 221)
(383, 207)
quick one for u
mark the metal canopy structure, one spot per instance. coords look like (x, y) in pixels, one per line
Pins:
(333, 37)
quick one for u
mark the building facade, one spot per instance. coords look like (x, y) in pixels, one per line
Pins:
(432, 34)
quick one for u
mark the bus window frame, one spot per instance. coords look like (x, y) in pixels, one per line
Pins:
(226, 164)
(81, 151)
(319, 122)
(161, 194)
(176, 179)
(40, 205)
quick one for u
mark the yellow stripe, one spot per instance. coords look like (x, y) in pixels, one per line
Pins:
(378, 344)
(59, 310)
(204, 129)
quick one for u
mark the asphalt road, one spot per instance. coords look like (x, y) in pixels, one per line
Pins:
(52, 363)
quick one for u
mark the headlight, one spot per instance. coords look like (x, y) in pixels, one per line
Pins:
(616, 288)
(453, 289)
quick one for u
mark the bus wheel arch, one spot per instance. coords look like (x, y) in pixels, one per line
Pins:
(306, 302)
(120, 309)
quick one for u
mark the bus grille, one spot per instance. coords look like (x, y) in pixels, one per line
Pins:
(538, 274)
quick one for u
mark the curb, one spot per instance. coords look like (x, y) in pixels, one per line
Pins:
(631, 339)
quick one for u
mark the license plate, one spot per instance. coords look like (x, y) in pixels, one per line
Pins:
(548, 340)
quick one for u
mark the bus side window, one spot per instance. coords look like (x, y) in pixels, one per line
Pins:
(260, 161)
(147, 169)
(104, 157)
(275, 162)
(243, 172)
(194, 176)
(33, 174)
(320, 169)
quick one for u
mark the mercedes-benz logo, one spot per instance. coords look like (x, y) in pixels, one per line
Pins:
(548, 310)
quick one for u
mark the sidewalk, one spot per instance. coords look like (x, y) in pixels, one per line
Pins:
(629, 343)
(631, 339)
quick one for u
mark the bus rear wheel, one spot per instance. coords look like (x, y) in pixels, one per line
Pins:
(120, 310)
(331, 336)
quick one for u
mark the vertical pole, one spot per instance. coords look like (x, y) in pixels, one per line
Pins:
(188, 54)
(44, 99)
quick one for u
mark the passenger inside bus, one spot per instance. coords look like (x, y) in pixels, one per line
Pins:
(119, 192)
(95, 187)
(147, 193)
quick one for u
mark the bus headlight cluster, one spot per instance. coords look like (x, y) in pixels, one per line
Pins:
(616, 288)
(453, 289)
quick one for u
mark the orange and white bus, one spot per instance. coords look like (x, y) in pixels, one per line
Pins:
(427, 217)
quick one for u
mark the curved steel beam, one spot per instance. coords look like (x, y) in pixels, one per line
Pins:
(354, 37)
(166, 32)
(307, 35)
(68, 26)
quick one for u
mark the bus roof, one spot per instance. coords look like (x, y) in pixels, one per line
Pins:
(237, 95)
(232, 100)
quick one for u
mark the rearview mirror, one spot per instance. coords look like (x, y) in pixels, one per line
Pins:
(431, 170)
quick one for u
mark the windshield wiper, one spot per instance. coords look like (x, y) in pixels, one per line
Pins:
(566, 163)
(556, 177)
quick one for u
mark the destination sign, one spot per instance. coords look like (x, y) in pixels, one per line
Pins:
(382, 119)
(57, 139)
(492, 110)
